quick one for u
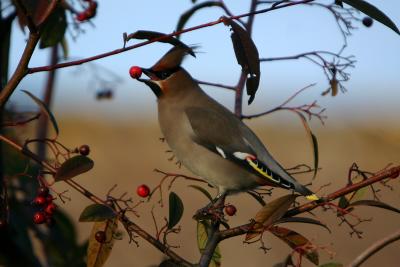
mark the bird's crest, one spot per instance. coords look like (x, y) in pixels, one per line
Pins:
(173, 58)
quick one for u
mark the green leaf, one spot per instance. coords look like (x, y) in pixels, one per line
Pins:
(187, 14)
(202, 190)
(45, 110)
(375, 203)
(98, 253)
(331, 264)
(96, 213)
(303, 220)
(175, 209)
(247, 57)
(373, 12)
(54, 29)
(150, 35)
(296, 241)
(73, 167)
(313, 139)
(202, 237)
(269, 214)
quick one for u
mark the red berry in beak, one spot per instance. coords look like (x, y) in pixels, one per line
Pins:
(135, 72)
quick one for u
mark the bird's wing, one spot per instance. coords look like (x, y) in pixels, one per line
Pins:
(222, 134)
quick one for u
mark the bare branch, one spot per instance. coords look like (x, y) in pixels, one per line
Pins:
(375, 247)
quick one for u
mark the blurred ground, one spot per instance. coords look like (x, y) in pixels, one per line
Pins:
(127, 154)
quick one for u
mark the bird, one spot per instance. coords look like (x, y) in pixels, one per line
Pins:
(207, 138)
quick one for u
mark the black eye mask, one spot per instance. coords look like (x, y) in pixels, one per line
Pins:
(162, 75)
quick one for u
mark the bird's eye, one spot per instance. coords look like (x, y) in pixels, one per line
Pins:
(163, 74)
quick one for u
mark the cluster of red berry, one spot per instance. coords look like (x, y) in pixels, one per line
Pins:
(89, 12)
(44, 201)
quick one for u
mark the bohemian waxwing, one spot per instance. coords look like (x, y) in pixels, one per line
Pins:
(207, 138)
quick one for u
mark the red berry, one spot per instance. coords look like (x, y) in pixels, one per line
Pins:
(84, 150)
(100, 236)
(50, 208)
(43, 191)
(81, 16)
(135, 72)
(49, 199)
(367, 21)
(39, 200)
(230, 210)
(143, 190)
(39, 217)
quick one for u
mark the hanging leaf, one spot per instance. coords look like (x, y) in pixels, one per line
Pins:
(202, 237)
(247, 56)
(202, 190)
(257, 197)
(73, 167)
(373, 12)
(314, 142)
(331, 264)
(175, 209)
(375, 203)
(45, 110)
(54, 29)
(296, 242)
(269, 214)
(96, 213)
(150, 35)
(334, 86)
(187, 14)
(98, 252)
(303, 220)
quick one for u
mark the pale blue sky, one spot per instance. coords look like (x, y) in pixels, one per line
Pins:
(374, 85)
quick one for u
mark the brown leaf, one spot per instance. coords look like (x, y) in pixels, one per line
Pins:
(247, 56)
(37, 10)
(269, 214)
(98, 253)
(296, 242)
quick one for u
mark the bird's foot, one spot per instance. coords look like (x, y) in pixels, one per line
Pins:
(214, 211)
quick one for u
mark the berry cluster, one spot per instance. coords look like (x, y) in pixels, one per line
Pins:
(89, 12)
(44, 201)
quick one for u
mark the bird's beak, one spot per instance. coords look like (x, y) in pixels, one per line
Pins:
(152, 82)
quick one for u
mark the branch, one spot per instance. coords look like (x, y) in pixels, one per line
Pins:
(121, 50)
(129, 226)
(243, 229)
(375, 247)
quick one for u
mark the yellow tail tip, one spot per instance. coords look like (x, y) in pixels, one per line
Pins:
(312, 197)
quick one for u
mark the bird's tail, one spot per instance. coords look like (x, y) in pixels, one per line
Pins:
(306, 192)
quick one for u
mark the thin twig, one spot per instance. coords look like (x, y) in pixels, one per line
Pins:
(375, 247)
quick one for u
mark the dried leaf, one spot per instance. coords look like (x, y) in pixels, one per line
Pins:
(96, 213)
(45, 110)
(374, 203)
(373, 12)
(247, 56)
(296, 242)
(35, 9)
(187, 14)
(202, 190)
(270, 213)
(334, 86)
(98, 253)
(175, 209)
(150, 35)
(303, 220)
(202, 237)
(73, 167)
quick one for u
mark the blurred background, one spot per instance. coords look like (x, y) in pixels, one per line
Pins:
(362, 125)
